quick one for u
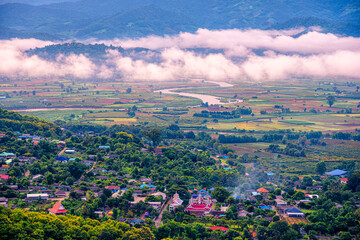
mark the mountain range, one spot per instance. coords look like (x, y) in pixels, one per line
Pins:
(107, 19)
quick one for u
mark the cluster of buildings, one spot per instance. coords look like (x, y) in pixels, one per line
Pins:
(200, 204)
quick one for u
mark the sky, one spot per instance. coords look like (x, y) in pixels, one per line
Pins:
(284, 55)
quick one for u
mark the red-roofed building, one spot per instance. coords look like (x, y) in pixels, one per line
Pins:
(224, 229)
(57, 209)
(343, 180)
(114, 189)
(200, 205)
(5, 177)
(262, 190)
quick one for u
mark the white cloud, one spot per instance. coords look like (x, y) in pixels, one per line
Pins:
(312, 54)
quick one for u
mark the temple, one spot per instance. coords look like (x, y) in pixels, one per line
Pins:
(175, 201)
(200, 205)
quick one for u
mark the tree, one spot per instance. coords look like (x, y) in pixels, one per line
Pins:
(279, 230)
(299, 195)
(312, 235)
(69, 180)
(354, 181)
(345, 236)
(107, 192)
(331, 100)
(107, 234)
(50, 179)
(307, 181)
(190, 135)
(230, 200)
(220, 194)
(174, 127)
(277, 191)
(321, 168)
(154, 135)
(76, 169)
(146, 234)
(115, 214)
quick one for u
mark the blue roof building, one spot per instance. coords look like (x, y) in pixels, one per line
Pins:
(294, 212)
(203, 192)
(265, 207)
(337, 172)
(104, 147)
(61, 158)
(136, 221)
(223, 156)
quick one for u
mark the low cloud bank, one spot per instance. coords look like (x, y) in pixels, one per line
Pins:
(238, 42)
(284, 55)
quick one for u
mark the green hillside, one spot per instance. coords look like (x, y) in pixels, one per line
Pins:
(13, 121)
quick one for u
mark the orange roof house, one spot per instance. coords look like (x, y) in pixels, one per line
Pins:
(262, 190)
(57, 209)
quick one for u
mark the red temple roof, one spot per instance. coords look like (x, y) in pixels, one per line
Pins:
(57, 208)
(199, 207)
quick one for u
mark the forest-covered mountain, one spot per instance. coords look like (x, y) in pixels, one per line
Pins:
(94, 51)
(106, 19)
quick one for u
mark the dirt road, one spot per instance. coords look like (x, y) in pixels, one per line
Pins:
(62, 151)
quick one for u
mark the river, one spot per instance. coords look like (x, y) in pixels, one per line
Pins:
(203, 97)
